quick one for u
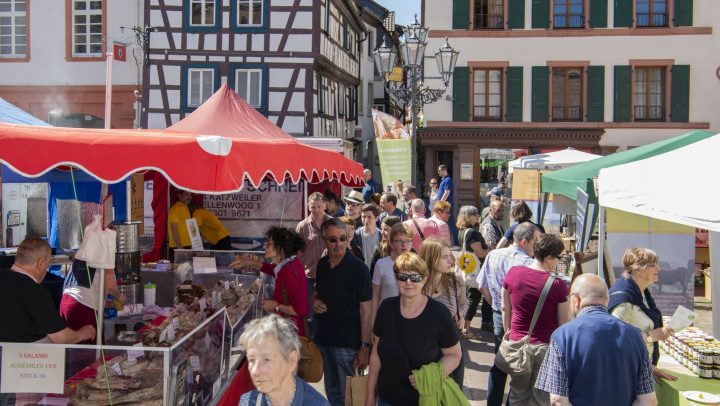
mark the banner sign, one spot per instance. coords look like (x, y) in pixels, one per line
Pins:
(269, 201)
(394, 149)
(26, 369)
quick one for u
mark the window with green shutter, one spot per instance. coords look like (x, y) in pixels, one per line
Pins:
(514, 94)
(622, 100)
(461, 14)
(540, 93)
(598, 13)
(623, 13)
(461, 94)
(516, 14)
(680, 94)
(596, 94)
(683, 13)
(541, 13)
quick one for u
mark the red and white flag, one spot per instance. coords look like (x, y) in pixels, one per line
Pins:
(119, 52)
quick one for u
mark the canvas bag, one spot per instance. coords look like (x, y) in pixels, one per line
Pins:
(468, 263)
(515, 357)
(310, 363)
(355, 387)
(98, 245)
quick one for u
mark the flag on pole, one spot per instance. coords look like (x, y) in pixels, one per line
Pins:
(119, 52)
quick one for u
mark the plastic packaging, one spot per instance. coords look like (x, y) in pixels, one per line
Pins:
(149, 294)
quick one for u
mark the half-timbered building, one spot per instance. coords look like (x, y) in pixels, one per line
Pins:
(296, 61)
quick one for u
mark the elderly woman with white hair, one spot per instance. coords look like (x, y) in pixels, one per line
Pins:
(272, 349)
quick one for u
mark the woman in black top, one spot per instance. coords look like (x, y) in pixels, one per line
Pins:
(468, 235)
(411, 330)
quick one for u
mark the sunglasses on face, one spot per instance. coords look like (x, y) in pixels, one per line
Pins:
(352, 204)
(414, 278)
(334, 240)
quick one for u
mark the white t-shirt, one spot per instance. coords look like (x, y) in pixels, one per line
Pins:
(384, 277)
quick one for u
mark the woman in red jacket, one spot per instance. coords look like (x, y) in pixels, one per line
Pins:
(290, 298)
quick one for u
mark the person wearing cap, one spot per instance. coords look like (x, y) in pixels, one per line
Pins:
(370, 186)
(388, 202)
(353, 205)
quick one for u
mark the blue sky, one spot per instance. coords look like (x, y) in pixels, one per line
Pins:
(404, 10)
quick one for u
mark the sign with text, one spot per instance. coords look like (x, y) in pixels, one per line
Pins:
(394, 148)
(27, 368)
(269, 201)
(137, 200)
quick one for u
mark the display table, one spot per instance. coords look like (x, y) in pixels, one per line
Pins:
(669, 392)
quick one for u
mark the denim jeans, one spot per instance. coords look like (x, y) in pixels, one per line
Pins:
(338, 365)
(496, 378)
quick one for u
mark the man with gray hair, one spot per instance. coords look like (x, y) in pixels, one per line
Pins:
(596, 347)
(491, 278)
(423, 227)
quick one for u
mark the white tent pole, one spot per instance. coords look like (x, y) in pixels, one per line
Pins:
(715, 280)
(601, 243)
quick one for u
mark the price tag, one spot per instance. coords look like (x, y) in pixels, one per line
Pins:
(176, 323)
(133, 355)
(116, 367)
(195, 363)
(203, 304)
(216, 298)
(163, 335)
(227, 285)
(216, 387)
(208, 340)
(170, 332)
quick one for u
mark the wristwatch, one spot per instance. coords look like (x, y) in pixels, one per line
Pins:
(648, 338)
(365, 344)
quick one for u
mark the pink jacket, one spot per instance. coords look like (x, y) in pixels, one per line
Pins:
(428, 227)
(443, 229)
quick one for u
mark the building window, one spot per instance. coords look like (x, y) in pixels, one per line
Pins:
(87, 28)
(568, 14)
(202, 13)
(250, 12)
(489, 14)
(341, 100)
(13, 29)
(651, 13)
(567, 94)
(201, 85)
(487, 94)
(649, 94)
(248, 84)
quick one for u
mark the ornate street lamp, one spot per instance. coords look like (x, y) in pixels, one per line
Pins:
(412, 93)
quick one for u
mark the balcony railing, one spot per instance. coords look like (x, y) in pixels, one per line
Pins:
(489, 21)
(652, 20)
(567, 113)
(649, 113)
(569, 21)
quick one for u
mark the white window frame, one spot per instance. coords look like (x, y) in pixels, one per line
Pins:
(250, 3)
(246, 97)
(13, 15)
(203, 4)
(202, 71)
(88, 15)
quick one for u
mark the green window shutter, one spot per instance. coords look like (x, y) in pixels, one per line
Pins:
(596, 94)
(540, 13)
(683, 13)
(540, 93)
(680, 94)
(623, 93)
(461, 94)
(516, 14)
(598, 13)
(623, 13)
(461, 14)
(514, 94)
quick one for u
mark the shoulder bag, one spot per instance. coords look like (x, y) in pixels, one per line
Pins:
(514, 357)
(468, 263)
(310, 362)
(417, 227)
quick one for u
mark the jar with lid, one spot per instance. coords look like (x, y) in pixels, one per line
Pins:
(706, 372)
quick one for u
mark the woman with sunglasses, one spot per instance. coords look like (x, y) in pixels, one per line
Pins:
(383, 280)
(411, 331)
(290, 298)
(521, 292)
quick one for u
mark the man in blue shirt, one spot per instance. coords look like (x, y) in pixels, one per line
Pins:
(446, 193)
(596, 359)
(370, 187)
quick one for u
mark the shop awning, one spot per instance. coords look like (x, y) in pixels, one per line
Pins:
(552, 160)
(566, 181)
(675, 186)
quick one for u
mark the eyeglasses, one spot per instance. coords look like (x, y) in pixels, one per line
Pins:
(433, 183)
(351, 204)
(402, 241)
(334, 240)
(404, 277)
